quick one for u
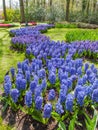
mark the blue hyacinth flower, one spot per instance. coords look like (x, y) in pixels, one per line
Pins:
(41, 73)
(33, 86)
(59, 108)
(80, 98)
(38, 102)
(47, 110)
(95, 95)
(51, 95)
(28, 98)
(12, 70)
(52, 78)
(7, 88)
(69, 102)
(14, 94)
(62, 95)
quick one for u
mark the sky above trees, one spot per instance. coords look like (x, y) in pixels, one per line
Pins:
(7, 3)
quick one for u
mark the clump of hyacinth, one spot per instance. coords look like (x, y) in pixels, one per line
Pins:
(14, 94)
(80, 98)
(12, 70)
(38, 102)
(52, 78)
(33, 86)
(47, 110)
(51, 95)
(41, 73)
(7, 85)
(69, 102)
(95, 95)
(62, 95)
(59, 108)
(28, 98)
(20, 83)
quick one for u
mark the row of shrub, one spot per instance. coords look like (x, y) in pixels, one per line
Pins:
(81, 35)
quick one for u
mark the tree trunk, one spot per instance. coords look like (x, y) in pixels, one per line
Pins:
(22, 11)
(87, 7)
(72, 5)
(67, 9)
(4, 10)
(44, 3)
(26, 12)
(83, 5)
(38, 3)
(10, 5)
(50, 3)
(94, 6)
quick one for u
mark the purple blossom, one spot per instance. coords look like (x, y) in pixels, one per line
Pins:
(95, 95)
(38, 102)
(52, 78)
(12, 72)
(80, 98)
(33, 86)
(51, 95)
(47, 110)
(28, 98)
(7, 88)
(69, 102)
(59, 108)
(14, 94)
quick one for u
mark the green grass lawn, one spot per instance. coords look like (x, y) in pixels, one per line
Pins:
(8, 58)
(59, 33)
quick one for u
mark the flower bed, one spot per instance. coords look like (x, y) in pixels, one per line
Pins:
(87, 49)
(30, 30)
(6, 25)
(21, 42)
(54, 85)
(59, 88)
(29, 24)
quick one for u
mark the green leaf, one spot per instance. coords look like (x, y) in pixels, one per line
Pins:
(23, 109)
(91, 123)
(95, 119)
(72, 122)
(56, 116)
(5, 107)
(37, 115)
(62, 126)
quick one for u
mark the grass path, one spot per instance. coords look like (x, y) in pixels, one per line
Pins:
(8, 58)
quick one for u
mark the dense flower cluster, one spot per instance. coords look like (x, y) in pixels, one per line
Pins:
(76, 81)
(54, 80)
(86, 48)
(41, 46)
(21, 42)
(30, 30)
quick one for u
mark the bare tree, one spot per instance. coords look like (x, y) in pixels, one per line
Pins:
(67, 9)
(4, 10)
(50, 3)
(22, 11)
(10, 5)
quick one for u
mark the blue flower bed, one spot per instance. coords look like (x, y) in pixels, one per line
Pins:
(87, 49)
(22, 42)
(53, 82)
(69, 84)
(30, 30)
